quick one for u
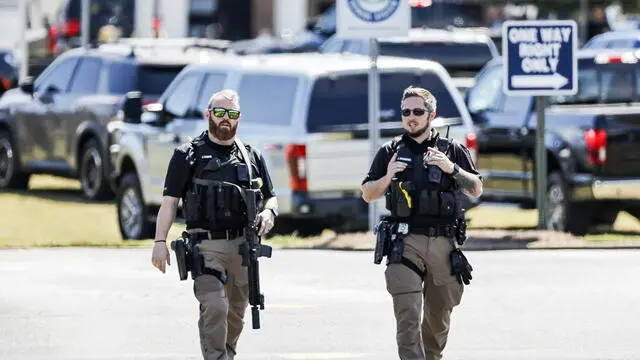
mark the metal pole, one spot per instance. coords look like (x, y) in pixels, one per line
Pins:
(84, 29)
(374, 109)
(23, 41)
(541, 163)
(584, 25)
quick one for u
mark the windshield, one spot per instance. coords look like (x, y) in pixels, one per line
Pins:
(150, 80)
(453, 56)
(603, 84)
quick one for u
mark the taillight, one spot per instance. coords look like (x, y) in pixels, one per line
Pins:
(596, 140)
(156, 24)
(471, 141)
(71, 27)
(296, 155)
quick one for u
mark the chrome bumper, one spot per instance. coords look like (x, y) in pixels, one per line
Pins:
(616, 189)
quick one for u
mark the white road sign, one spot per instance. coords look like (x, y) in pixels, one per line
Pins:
(372, 18)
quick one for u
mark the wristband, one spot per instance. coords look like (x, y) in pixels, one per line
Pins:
(157, 241)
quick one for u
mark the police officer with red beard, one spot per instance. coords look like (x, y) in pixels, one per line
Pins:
(206, 173)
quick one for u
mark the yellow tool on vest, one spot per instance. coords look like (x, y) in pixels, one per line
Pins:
(406, 194)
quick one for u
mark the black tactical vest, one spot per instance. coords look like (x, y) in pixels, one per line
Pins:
(214, 199)
(422, 194)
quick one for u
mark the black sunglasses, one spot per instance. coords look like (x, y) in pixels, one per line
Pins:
(416, 112)
(220, 111)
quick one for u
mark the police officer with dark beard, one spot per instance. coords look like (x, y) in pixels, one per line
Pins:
(421, 174)
(206, 173)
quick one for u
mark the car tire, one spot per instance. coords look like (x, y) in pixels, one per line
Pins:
(93, 182)
(10, 175)
(133, 214)
(563, 214)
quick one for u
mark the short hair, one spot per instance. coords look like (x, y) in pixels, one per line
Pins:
(429, 100)
(226, 94)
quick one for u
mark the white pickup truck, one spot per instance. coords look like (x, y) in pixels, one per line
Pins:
(306, 113)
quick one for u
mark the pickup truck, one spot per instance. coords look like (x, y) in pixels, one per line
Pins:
(592, 141)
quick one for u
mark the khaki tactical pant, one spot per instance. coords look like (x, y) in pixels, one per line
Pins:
(433, 297)
(222, 308)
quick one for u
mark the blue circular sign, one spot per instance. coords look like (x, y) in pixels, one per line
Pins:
(373, 10)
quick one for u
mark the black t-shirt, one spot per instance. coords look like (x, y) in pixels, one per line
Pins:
(458, 153)
(179, 173)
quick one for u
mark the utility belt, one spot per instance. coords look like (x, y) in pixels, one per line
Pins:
(390, 233)
(431, 202)
(214, 203)
(227, 234)
(189, 258)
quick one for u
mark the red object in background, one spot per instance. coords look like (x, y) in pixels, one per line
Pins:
(296, 155)
(6, 83)
(156, 24)
(71, 27)
(52, 42)
(596, 140)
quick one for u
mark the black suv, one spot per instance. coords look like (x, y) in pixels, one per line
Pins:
(57, 124)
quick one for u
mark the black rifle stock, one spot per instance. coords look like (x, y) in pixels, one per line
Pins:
(251, 250)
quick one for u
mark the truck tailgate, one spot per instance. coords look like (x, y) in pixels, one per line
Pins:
(620, 131)
(337, 165)
(338, 162)
(622, 144)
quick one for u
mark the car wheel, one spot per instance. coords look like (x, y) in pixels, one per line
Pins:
(562, 214)
(10, 176)
(94, 184)
(133, 215)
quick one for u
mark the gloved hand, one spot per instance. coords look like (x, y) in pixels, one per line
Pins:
(460, 267)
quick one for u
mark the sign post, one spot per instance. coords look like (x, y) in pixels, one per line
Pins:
(372, 19)
(85, 15)
(540, 61)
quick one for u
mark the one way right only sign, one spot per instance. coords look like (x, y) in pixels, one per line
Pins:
(540, 57)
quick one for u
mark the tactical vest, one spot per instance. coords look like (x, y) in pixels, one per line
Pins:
(421, 193)
(215, 198)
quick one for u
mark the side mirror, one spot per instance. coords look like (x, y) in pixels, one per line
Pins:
(132, 107)
(26, 85)
(154, 115)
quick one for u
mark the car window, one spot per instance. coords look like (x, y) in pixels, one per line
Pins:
(182, 95)
(267, 99)
(451, 55)
(346, 97)
(620, 43)
(58, 77)
(602, 84)
(486, 93)
(212, 83)
(87, 76)
(149, 79)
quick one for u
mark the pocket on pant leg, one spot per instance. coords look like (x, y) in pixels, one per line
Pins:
(400, 280)
(207, 286)
(438, 261)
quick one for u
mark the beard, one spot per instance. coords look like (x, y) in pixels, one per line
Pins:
(418, 132)
(223, 133)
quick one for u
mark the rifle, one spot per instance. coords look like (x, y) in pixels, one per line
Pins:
(251, 250)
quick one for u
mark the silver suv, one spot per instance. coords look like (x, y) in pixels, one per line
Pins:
(306, 113)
